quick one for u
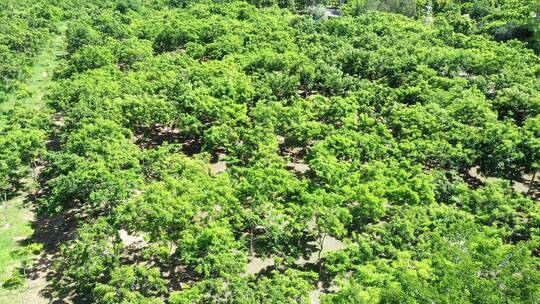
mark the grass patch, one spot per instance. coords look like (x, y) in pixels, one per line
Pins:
(12, 235)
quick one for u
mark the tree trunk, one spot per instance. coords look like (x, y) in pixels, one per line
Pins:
(4, 204)
(24, 265)
(34, 171)
(321, 244)
(172, 262)
(531, 183)
(251, 249)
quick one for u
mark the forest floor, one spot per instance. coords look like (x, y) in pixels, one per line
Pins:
(21, 214)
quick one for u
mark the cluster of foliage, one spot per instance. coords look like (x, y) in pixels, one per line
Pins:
(23, 135)
(387, 114)
(24, 28)
(502, 20)
(22, 147)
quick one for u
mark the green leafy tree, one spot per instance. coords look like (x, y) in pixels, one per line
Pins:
(131, 284)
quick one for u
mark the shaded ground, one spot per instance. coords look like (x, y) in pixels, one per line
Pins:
(258, 266)
(332, 12)
(521, 186)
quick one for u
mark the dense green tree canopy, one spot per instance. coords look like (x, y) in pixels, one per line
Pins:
(375, 157)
